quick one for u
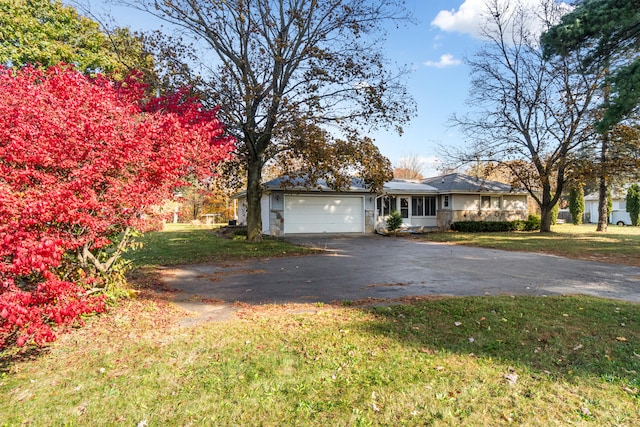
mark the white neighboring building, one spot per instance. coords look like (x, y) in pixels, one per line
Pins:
(619, 214)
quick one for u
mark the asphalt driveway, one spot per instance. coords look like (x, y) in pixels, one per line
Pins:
(372, 266)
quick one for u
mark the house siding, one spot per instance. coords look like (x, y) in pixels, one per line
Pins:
(276, 213)
(242, 211)
(370, 213)
(265, 209)
(467, 207)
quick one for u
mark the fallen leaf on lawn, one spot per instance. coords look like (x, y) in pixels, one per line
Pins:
(621, 339)
(457, 323)
(636, 355)
(471, 339)
(578, 347)
(512, 378)
(373, 404)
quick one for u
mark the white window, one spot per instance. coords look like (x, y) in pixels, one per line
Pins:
(489, 202)
(386, 205)
(495, 202)
(423, 206)
(404, 207)
(485, 202)
(445, 201)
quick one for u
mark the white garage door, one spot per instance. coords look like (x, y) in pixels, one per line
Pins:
(323, 214)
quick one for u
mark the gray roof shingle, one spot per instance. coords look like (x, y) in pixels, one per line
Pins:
(457, 182)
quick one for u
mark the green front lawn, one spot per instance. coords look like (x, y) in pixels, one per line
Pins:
(451, 361)
(187, 244)
(619, 245)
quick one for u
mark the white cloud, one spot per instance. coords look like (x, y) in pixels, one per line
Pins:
(471, 16)
(464, 20)
(446, 60)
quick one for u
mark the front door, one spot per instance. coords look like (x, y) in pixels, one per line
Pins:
(404, 207)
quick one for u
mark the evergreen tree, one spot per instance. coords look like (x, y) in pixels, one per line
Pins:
(394, 222)
(610, 30)
(576, 203)
(633, 203)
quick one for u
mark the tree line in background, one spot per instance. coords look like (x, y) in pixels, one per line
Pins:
(558, 111)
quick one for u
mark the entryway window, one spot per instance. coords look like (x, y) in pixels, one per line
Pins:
(423, 206)
(386, 205)
(404, 207)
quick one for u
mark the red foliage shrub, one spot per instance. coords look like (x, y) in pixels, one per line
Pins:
(81, 160)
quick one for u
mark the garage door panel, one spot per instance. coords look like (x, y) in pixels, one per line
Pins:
(323, 214)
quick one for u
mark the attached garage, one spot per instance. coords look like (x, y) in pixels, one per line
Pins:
(323, 214)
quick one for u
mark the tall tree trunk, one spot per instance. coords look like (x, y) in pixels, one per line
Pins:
(603, 210)
(545, 220)
(546, 209)
(254, 194)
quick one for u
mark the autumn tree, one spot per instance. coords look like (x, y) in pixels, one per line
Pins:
(530, 113)
(409, 167)
(500, 172)
(282, 66)
(312, 154)
(47, 32)
(84, 162)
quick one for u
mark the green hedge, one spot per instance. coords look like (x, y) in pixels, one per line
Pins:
(532, 223)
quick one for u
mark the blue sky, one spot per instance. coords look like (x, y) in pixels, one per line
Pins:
(434, 48)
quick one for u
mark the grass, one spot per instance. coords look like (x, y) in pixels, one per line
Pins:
(453, 361)
(187, 244)
(435, 361)
(620, 245)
